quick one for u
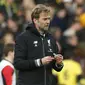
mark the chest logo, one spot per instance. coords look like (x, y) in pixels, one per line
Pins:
(35, 43)
(50, 50)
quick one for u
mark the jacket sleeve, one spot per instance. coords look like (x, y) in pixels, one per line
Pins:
(57, 67)
(20, 60)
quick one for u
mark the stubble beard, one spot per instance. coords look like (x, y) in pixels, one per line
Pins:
(45, 29)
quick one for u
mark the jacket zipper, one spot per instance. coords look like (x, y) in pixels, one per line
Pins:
(44, 65)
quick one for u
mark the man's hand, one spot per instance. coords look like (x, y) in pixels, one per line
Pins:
(47, 60)
(58, 58)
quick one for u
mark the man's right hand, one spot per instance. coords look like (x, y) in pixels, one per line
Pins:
(47, 60)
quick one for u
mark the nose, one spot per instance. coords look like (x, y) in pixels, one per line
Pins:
(48, 21)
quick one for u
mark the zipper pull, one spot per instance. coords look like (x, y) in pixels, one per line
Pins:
(42, 39)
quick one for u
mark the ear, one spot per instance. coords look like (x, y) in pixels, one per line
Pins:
(35, 21)
(9, 53)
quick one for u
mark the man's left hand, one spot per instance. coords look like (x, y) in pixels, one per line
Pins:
(59, 58)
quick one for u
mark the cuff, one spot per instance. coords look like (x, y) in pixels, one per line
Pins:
(38, 62)
(59, 65)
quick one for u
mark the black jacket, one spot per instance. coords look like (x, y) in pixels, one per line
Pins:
(30, 45)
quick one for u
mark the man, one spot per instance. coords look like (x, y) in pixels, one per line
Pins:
(34, 51)
(7, 74)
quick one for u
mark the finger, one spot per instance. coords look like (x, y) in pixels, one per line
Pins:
(59, 57)
(50, 58)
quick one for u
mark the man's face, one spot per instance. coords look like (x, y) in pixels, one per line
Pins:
(43, 21)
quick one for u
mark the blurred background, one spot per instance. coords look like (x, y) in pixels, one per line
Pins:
(67, 26)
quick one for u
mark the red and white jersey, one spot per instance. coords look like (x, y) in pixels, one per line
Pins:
(7, 73)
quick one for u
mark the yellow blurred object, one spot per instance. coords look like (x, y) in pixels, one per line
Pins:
(82, 19)
(69, 73)
(82, 81)
(2, 2)
(58, 1)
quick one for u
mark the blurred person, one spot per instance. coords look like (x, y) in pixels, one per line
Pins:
(28, 6)
(68, 41)
(3, 23)
(35, 50)
(79, 10)
(68, 5)
(81, 35)
(71, 71)
(80, 50)
(79, 2)
(9, 9)
(70, 33)
(74, 9)
(21, 19)
(78, 13)
(59, 18)
(71, 5)
(7, 73)
(72, 40)
(12, 26)
(56, 32)
(80, 55)
(74, 27)
(52, 10)
(7, 38)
